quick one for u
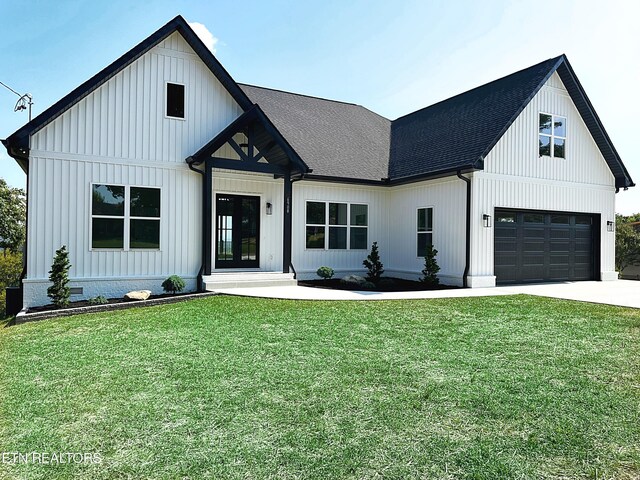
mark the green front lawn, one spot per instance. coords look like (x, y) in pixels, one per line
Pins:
(227, 387)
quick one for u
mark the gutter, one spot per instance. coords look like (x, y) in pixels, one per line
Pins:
(467, 253)
(190, 163)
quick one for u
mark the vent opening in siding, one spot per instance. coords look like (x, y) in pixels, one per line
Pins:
(76, 290)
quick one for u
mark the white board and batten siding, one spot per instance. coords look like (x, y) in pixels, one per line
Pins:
(306, 261)
(447, 197)
(119, 134)
(392, 224)
(514, 176)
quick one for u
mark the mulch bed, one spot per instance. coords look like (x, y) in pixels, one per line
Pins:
(398, 285)
(110, 301)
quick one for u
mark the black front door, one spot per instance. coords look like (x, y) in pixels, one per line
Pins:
(237, 231)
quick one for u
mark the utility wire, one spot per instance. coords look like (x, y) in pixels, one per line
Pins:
(9, 88)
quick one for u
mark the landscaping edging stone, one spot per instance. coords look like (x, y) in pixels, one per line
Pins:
(24, 317)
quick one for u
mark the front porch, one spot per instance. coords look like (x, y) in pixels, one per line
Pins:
(248, 174)
(247, 279)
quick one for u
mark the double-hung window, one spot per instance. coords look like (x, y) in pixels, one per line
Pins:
(124, 217)
(336, 226)
(424, 230)
(552, 135)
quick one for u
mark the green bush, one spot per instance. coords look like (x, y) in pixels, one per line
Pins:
(10, 269)
(173, 284)
(373, 264)
(431, 267)
(325, 272)
(99, 300)
(59, 291)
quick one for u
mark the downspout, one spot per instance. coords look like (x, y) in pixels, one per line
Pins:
(25, 158)
(293, 180)
(467, 253)
(190, 162)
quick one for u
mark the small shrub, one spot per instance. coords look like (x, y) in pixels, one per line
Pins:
(173, 284)
(325, 273)
(431, 267)
(368, 286)
(99, 300)
(373, 264)
(59, 292)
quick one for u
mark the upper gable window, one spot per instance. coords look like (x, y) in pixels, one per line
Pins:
(552, 135)
(175, 100)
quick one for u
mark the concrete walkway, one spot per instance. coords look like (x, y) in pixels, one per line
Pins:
(622, 292)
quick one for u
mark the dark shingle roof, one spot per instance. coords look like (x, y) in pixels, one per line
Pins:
(346, 141)
(456, 133)
(335, 139)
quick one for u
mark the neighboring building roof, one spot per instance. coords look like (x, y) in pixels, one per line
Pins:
(336, 139)
(344, 141)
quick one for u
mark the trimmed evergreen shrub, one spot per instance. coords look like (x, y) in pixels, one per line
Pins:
(373, 264)
(59, 291)
(173, 284)
(431, 267)
(325, 273)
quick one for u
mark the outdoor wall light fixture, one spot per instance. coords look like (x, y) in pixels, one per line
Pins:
(486, 218)
(269, 208)
(609, 226)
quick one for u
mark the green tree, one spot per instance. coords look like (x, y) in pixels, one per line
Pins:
(431, 267)
(627, 242)
(59, 291)
(13, 208)
(373, 264)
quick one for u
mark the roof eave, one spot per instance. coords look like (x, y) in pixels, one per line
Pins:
(582, 102)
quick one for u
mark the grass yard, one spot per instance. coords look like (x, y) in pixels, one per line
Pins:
(224, 387)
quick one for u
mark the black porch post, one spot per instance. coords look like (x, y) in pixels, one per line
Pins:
(207, 214)
(286, 234)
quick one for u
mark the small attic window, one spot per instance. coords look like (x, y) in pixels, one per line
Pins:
(175, 100)
(552, 135)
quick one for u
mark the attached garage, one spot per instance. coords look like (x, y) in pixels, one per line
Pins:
(537, 246)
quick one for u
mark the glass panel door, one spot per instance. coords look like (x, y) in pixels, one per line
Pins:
(237, 231)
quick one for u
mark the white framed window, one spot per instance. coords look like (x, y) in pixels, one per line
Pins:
(124, 217)
(336, 225)
(174, 100)
(552, 135)
(424, 230)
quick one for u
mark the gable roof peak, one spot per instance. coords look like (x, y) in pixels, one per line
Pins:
(20, 138)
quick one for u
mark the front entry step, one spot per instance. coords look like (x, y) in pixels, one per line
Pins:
(218, 281)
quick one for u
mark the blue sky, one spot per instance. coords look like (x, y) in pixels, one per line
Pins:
(390, 56)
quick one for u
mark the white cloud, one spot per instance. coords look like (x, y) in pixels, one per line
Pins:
(205, 35)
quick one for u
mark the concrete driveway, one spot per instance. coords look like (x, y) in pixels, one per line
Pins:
(625, 293)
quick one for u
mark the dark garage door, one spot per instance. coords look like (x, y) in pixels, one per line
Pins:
(532, 246)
